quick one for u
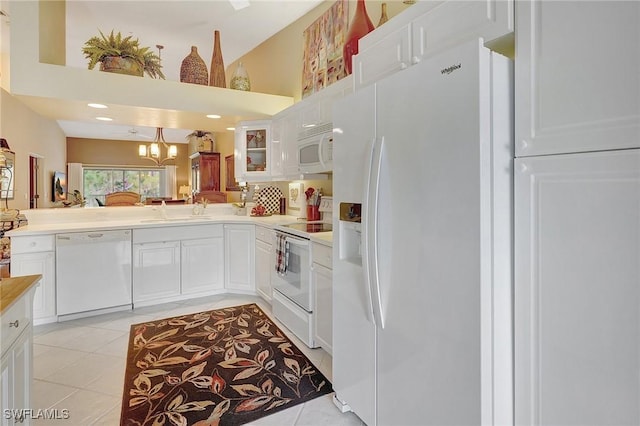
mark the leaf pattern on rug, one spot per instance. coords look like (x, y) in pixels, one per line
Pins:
(222, 367)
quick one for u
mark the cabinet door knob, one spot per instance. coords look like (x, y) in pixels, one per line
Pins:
(415, 60)
(403, 66)
(15, 324)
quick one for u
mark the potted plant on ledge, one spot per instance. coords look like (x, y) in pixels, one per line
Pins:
(122, 55)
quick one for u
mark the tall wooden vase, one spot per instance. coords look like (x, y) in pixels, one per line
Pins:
(216, 74)
(360, 26)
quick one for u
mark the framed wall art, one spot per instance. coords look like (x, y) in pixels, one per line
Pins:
(59, 187)
(323, 41)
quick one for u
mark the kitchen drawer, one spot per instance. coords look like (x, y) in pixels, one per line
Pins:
(264, 234)
(201, 231)
(14, 321)
(176, 233)
(322, 255)
(32, 244)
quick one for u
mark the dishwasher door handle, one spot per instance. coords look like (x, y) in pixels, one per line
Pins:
(95, 235)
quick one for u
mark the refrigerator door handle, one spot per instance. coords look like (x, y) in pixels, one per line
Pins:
(370, 225)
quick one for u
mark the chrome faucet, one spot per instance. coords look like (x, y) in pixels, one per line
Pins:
(163, 210)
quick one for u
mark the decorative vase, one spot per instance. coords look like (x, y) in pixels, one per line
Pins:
(217, 77)
(360, 26)
(193, 69)
(383, 16)
(207, 143)
(240, 79)
(121, 65)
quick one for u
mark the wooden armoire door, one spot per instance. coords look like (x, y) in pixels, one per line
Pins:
(208, 165)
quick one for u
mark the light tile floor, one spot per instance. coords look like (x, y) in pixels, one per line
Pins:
(79, 366)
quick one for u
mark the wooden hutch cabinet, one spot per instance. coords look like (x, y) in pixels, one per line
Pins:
(205, 177)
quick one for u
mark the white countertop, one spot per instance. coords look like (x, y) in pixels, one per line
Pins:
(53, 221)
(325, 238)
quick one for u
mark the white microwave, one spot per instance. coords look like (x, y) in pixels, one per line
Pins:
(315, 149)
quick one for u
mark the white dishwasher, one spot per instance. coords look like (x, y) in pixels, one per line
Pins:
(93, 272)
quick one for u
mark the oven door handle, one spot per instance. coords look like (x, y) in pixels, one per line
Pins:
(298, 242)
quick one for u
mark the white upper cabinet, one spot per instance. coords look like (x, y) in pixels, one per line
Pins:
(425, 28)
(289, 143)
(577, 76)
(253, 151)
(275, 153)
(386, 56)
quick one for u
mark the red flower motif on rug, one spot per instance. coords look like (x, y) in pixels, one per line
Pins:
(223, 367)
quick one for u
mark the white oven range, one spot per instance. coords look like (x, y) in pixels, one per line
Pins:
(293, 294)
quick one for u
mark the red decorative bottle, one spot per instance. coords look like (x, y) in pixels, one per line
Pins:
(360, 26)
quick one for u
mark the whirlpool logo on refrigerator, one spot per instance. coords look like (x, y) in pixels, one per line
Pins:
(450, 69)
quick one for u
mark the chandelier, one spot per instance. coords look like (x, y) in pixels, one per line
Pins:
(152, 151)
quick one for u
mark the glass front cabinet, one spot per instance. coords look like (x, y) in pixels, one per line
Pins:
(253, 150)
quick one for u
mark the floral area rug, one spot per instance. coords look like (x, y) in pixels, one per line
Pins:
(223, 367)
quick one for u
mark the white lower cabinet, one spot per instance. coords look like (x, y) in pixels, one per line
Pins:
(44, 301)
(16, 361)
(239, 270)
(202, 264)
(577, 275)
(172, 262)
(16, 380)
(322, 282)
(265, 261)
(156, 270)
(35, 255)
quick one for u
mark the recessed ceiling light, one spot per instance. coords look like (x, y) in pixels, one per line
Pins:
(97, 106)
(104, 118)
(213, 116)
(231, 128)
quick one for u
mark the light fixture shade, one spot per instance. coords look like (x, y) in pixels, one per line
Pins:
(184, 190)
(154, 150)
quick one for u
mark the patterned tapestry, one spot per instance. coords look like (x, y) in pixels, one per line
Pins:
(323, 41)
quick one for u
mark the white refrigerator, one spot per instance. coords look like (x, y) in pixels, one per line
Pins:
(422, 283)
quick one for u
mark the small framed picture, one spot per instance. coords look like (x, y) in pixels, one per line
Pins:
(296, 196)
(59, 190)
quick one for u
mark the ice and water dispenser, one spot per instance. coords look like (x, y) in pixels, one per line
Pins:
(350, 248)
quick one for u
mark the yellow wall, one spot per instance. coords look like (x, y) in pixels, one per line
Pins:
(52, 32)
(275, 66)
(122, 153)
(125, 153)
(28, 134)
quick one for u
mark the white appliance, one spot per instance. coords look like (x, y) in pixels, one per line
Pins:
(315, 149)
(422, 326)
(93, 272)
(292, 301)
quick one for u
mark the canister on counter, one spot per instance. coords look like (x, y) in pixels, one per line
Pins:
(283, 205)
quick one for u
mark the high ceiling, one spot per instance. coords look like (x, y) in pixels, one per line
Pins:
(175, 25)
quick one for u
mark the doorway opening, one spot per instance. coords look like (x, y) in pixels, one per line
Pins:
(35, 180)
